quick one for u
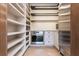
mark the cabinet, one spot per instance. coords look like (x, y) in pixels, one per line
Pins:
(49, 38)
(64, 28)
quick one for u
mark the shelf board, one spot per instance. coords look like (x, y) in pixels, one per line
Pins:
(14, 33)
(20, 7)
(27, 41)
(20, 53)
(15, 11)
(27, 15)
(44, 4)
(27, 30)
(45, 12)
(27, 20)
(27, 36)
(13, 51)
(46, 8)
(15, 41)
(64, 14)
(63, 21)
(64, 7)
(27, 25)
(27, 8)
(63, 30)
(15, 22)
(44, 20)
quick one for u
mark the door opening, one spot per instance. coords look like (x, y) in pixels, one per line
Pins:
(38, 37)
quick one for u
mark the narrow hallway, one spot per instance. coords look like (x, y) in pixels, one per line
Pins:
(42, 51)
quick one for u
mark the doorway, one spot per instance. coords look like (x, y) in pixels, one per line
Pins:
(37, 37)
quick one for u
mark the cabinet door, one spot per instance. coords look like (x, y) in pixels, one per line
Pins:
(49, 38)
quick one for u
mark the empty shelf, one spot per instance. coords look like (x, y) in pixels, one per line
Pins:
(28, 15)
(14, 50)
(36, 18)
(44, 20)
(15, 22)
(44, 4)
(13, 10)
(44, 14)
(27, 8)
(20, 53)
(27, 25)
(14, 33)
(28, 19)
(64, 7)
(46, 8)
(27, 30)
(20, 7)
(64, 21)
(15, 41)
(27, 41)
(64, 14)
(27, 35)
(44, 11)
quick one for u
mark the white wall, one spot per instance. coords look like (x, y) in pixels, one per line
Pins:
(43, 26)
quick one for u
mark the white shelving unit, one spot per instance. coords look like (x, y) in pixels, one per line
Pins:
(64, 28)
(14, 10)
(28, 22)
(16, 29)
(64, 17)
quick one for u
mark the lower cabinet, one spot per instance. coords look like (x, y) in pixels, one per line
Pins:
(51, 38)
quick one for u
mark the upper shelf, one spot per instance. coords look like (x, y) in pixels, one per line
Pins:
(20, 8)
(44, 4)
(63, 21)
(14, 11)
(46, 18)
(44, 11)
(45, 14)
(64, 7)
(14, 33)
(15, 22)
(64, 14)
